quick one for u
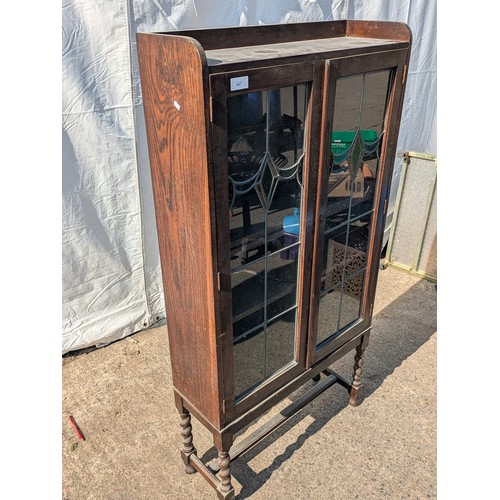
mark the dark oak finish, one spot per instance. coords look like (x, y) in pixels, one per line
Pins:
(187, 441)
(379, 29)
(356, 387)
(225, 486)
(186, 82)
(219, 38)
(172, 78)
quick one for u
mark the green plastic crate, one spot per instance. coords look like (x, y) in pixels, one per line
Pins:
(342, 140)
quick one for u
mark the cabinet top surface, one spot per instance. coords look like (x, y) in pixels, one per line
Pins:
(219, 59)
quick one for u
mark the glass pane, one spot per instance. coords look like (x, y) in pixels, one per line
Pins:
(281, 284)
(284, 214)
(351, 300)
(357, 133)
(246, 222)
(287, 111)
(347, 102)
(333, 257)
(375, 97)
(280, 342)
(329, 310)
(355, 256)
(246, 158)
(248, 295)
(367, 177)
(265, 156)
(246, 122)
(249, 359)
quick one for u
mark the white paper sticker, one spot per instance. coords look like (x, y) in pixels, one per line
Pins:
(239, 83)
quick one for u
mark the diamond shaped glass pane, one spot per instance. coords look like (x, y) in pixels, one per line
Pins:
(267, 184)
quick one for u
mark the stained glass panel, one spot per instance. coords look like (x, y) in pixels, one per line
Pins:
(265, 157)
(358, 129)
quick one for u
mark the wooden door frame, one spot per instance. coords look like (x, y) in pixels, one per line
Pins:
(334, 69)
(263, 79)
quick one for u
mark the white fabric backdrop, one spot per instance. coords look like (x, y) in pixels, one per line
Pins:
(111, 270)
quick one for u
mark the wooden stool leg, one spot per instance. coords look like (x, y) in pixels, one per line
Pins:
(187, 441)
(226, 490)
(356, 388)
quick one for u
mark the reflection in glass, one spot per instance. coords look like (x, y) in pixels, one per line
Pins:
(355, 256)
(349, 93)
(351, 300)
(248, 295)
(375, 97)
(334, 257)
(329, 310)
(265, 156)
(280, 342)
(281, 284)
(249, 359)
(358, 130)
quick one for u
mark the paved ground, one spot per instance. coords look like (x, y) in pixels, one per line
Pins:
(121, 397)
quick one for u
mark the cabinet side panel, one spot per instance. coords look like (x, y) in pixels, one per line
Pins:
(172, 78)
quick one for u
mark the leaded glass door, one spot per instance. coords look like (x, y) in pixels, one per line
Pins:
(264, 132)
(354, 181)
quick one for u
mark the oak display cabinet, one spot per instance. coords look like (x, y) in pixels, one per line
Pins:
(271, 151)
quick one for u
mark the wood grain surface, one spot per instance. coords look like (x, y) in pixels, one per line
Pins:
(173, 71)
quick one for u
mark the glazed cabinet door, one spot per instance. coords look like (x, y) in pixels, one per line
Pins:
(265, 135)
(362, 106)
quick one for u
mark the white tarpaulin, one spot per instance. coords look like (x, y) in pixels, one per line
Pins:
(111, 270)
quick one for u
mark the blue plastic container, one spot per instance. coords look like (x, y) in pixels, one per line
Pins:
(291, 223)
(291, 228)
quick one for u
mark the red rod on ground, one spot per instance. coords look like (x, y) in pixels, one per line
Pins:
(78, 431)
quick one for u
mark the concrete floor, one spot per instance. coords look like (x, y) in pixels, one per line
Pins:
(121, 397)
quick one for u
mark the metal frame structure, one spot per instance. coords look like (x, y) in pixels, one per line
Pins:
(414, 268)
